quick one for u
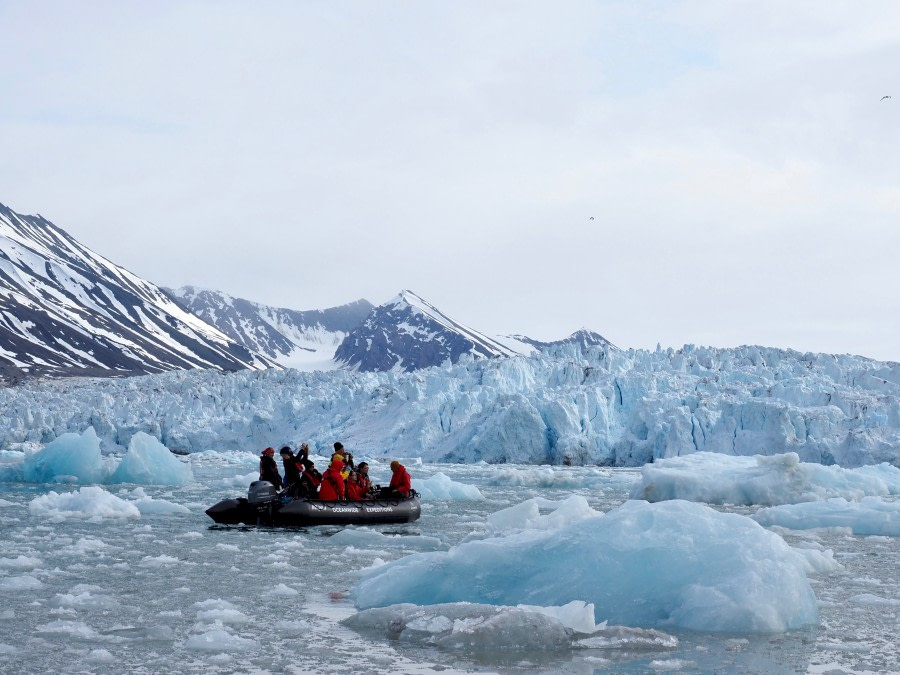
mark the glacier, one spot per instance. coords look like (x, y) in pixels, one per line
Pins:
(565, 406)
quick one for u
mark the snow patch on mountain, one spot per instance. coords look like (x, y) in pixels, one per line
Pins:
(305, 340)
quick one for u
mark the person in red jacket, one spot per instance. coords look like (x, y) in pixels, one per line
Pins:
(333, 482)
(401, 483)
(355, 490)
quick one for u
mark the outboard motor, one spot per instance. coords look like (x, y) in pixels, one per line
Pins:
(263, 498)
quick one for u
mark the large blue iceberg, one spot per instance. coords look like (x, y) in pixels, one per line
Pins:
(672, 564)
(77, 458)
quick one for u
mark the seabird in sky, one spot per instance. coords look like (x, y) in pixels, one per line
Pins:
(884, 97)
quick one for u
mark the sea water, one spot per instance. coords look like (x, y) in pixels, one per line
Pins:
(152, 585)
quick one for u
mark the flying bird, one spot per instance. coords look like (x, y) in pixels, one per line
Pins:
(592, 217)
(884, 97)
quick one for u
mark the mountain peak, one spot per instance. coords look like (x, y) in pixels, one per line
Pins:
(408, 333)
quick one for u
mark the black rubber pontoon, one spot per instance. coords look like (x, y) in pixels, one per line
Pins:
(263, 506)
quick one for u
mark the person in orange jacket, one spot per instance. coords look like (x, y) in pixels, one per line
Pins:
(333, 482)
(401, 483)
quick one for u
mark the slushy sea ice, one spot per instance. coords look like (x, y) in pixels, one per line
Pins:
(672, 564)
(713, 478)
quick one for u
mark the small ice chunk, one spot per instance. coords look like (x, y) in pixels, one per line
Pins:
(25, 582)
(218, 640)
(366, 538)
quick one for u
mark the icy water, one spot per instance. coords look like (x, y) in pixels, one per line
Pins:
(176, 594)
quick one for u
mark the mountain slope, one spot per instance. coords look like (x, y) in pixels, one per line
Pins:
(409, 333)
(298, 339)
(65, 310)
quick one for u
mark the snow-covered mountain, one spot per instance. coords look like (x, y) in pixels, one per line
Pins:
(562, 406)
(407, 333)
(582, 337)
(64, 310)
(298, 339)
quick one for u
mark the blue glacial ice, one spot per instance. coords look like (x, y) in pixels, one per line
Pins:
(72, 458)
(441, 486)
(868, 516)
(600, 406)
(672, 564)
(714, 478)
(149, 462)
(77, 458)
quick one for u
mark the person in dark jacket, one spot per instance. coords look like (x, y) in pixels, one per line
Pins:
(268, 469)
(333, 482)
(292, 470)
(401, 483)
(309, 481)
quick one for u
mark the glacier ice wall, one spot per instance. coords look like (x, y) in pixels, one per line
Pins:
(601, 406)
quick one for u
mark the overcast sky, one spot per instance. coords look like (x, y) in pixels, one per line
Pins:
(739, 164)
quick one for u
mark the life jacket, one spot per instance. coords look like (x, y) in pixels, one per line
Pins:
(401, 481)
(355, 491)
(332, 484)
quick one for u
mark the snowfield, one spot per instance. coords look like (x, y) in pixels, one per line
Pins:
(602, 406)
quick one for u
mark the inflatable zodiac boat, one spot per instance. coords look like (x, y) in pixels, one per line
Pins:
(264, 506)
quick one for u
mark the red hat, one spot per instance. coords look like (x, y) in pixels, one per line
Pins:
(269, 451)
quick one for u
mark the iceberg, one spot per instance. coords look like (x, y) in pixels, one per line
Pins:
(766, 480)
(70, 458)
(671, 564)
(77, 458)
(441, 486)
(149, 462)
(868, 516)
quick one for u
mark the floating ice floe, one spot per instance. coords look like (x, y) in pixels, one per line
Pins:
(365, 538)
(546, 477)
(147, 505)
(24, 582)
(714, 478)
(869, 516)
(672, 564)
(89, 503)
(77, 458)
(440, 486)
(219, 640)
(470, 627)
